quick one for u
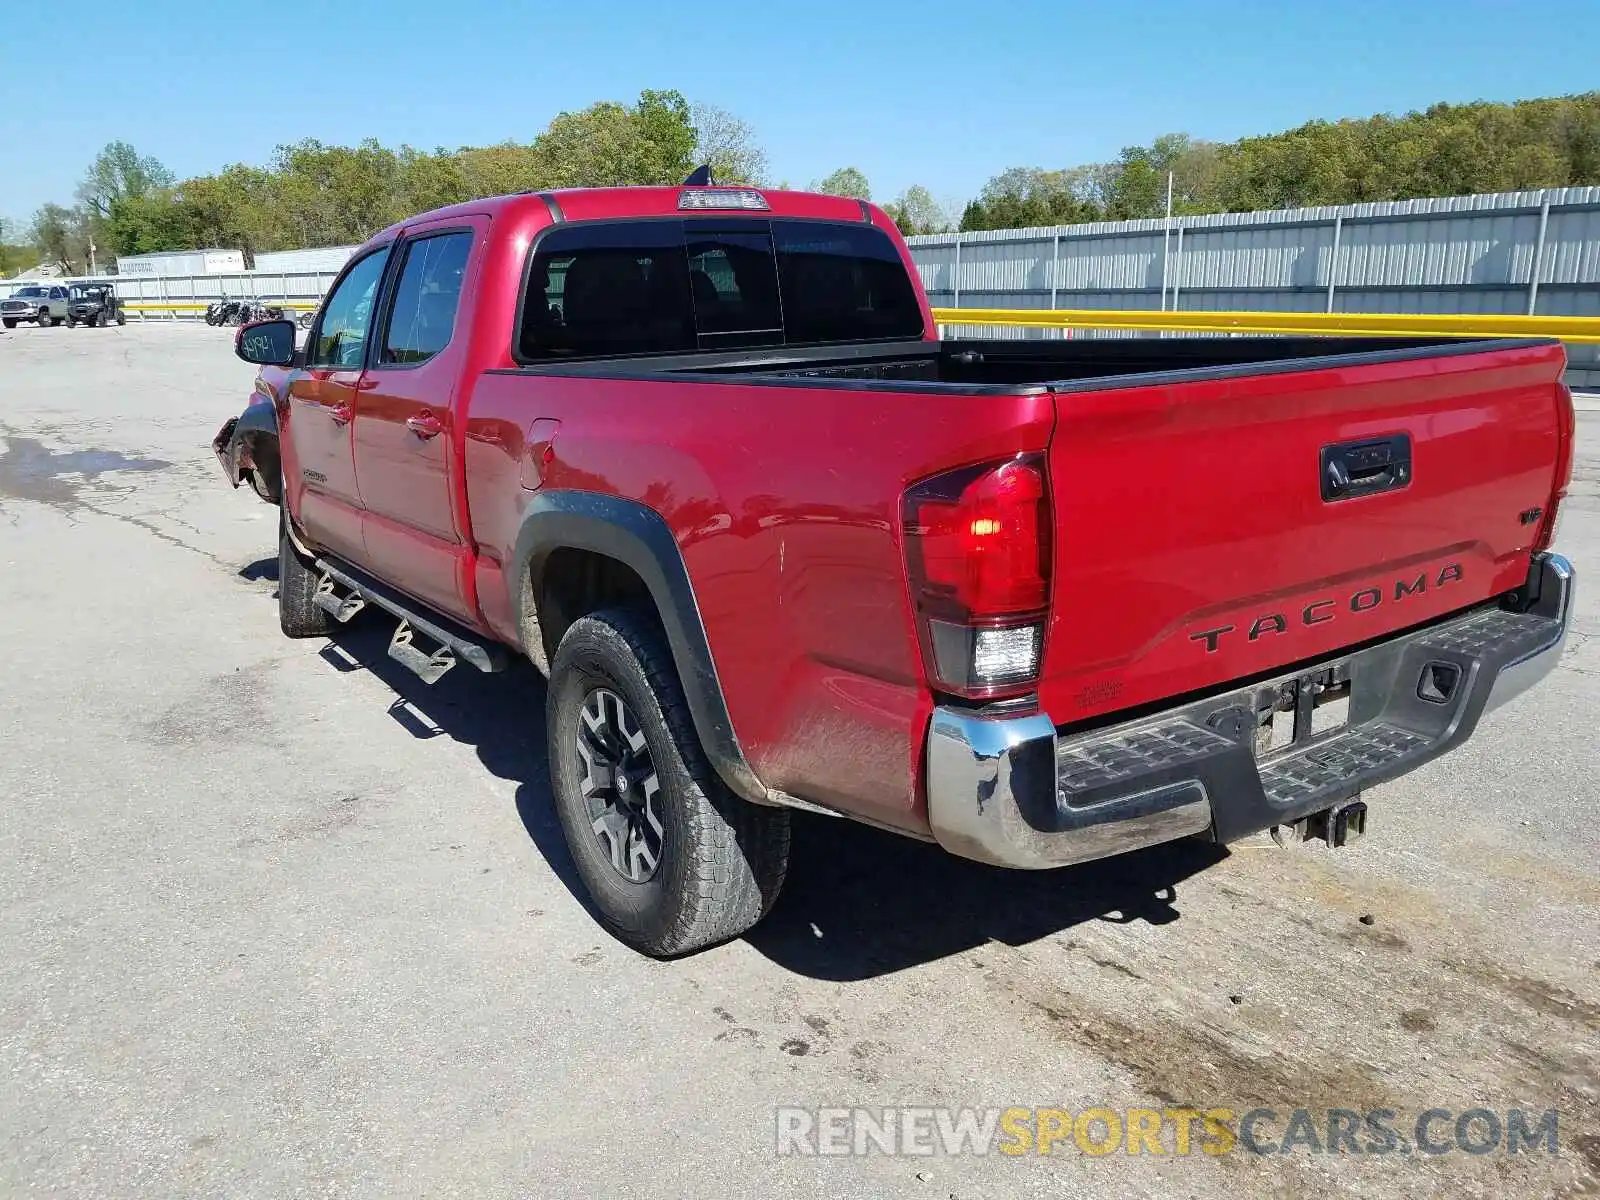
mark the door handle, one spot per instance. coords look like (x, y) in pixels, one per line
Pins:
(425, 425)
(342, 414)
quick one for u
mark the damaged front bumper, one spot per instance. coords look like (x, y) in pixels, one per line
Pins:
(1015, 792)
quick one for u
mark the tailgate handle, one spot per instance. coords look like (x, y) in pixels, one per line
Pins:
(1364, 468)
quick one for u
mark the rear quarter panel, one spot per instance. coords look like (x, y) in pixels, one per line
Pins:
(784, 500)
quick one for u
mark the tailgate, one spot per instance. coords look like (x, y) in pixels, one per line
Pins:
(1213, 528)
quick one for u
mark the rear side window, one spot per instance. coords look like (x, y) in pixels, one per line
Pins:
(843, 283)
(608, 289)
(423, 315)
(662, 287)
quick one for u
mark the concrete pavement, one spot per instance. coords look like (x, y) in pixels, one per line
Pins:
(279, 920)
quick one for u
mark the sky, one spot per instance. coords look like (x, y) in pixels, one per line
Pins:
(939, 94)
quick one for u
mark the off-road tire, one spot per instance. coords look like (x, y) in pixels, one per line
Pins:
(298, 615)
(722, 858)
(72, 322)
(122, 319)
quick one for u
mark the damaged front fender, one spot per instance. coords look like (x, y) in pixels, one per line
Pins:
(247, 448)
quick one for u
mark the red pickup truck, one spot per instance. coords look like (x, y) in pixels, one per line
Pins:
(701, 454)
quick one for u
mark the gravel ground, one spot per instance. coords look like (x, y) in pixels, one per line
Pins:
(279, 920)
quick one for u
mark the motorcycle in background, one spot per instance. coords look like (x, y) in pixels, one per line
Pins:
(241, 311)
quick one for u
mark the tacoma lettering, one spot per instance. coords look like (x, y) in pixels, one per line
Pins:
(1319, 612)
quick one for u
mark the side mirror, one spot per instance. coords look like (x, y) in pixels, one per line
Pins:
(266, 343)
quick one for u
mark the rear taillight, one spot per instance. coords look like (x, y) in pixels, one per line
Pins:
(1566, 430)
(977, 544)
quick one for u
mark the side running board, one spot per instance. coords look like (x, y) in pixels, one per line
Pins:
(343, 591)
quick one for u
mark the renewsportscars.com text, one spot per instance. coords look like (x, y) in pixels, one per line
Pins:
(1016, 1131)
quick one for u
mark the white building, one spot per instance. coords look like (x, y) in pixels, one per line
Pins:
(182, 262)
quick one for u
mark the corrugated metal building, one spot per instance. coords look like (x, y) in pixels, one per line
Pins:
(1457, 254)
(324, 258)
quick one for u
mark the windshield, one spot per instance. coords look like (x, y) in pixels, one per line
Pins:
(30, 291)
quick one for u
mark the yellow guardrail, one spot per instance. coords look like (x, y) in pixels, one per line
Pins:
(202, 305)
(1568, 329)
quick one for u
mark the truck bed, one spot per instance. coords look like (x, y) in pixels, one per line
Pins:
(1074, 364)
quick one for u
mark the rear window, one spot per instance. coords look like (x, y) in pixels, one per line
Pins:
(662, 287)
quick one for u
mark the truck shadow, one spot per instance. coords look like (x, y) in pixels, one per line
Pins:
(858, 902)
(501, 716)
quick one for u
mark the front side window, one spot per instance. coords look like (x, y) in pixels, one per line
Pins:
(715, 282)
(426, 298)
(341, 339)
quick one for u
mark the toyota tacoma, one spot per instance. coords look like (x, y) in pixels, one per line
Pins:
(701, 454)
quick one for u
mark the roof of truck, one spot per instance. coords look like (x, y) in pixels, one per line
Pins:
(591, 204)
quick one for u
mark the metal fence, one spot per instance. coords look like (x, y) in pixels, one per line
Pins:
(302, 289)
(1513, 252)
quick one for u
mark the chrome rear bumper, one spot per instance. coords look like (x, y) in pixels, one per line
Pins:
(1013, 792)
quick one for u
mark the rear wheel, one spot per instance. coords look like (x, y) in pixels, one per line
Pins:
(72, 322)
(298, 614)
(122, 318)
(671, 858)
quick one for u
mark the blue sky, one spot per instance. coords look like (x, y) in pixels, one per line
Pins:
(940, 94)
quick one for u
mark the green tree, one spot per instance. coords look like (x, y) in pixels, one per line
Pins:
(846, 181)
(235, 209)
(142, 224)
(427, 181)
(1138, 189)
(119, 177)
(58, 235)
(1024, 196)
(15, 255)
(613, 145)
(915, 211)
(500, 170)
(667, 137)
(119, 172)
(315, 194)
(337, 194)
(1440, 151)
